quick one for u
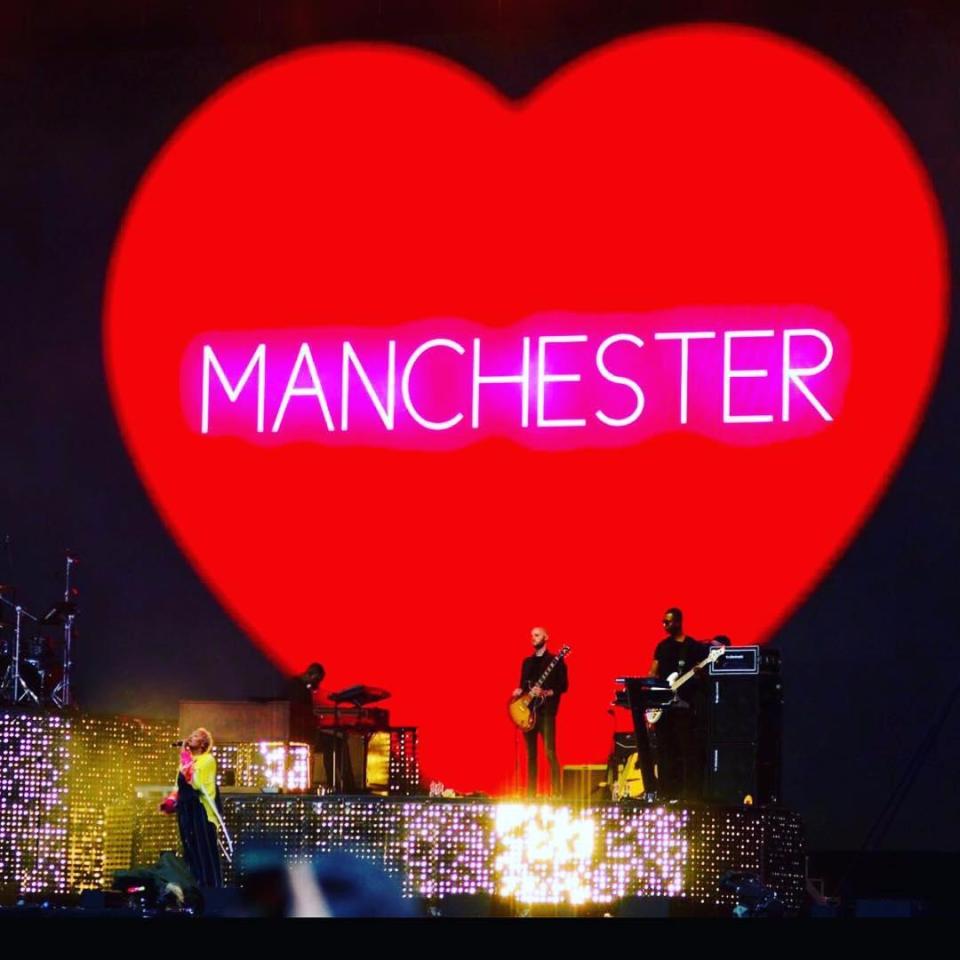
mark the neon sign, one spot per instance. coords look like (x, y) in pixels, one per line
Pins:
(743, 376)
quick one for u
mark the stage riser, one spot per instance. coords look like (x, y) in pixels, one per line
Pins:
(75, 808)
(534, 853)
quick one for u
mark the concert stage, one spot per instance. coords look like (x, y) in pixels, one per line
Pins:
(80, 797)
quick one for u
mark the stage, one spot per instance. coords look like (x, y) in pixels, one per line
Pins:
(81, 797)
(535, 852)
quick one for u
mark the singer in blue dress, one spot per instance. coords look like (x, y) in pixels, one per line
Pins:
(198, 801)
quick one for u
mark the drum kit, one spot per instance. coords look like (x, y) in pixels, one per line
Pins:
(36, 652)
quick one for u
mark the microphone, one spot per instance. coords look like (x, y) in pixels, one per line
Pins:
(176, 743)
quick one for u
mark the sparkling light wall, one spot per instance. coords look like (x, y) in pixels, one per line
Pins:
(79, 796)
(285, 766)
(72, 790)
(536, 853)
(109, 757)
(33, 801)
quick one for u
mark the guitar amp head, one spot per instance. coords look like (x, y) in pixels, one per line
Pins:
(737, 661)
(746, 662)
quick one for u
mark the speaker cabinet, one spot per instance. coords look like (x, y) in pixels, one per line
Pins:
(736, 771)
(582, 783)
(744, 733)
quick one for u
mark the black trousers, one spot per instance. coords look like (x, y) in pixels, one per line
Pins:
(680, 753)
(546, 727)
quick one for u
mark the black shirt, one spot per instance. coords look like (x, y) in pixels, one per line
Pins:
(299, 693)
(675, 656)
(531, 671)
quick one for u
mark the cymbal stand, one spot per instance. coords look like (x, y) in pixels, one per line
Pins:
(14, 687)
(61, 693)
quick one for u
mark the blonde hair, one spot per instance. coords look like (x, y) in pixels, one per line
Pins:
(200, 736)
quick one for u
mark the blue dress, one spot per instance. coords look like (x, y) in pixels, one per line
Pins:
(198, 835)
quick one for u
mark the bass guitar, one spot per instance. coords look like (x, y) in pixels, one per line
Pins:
(523, 709)
(676, 681)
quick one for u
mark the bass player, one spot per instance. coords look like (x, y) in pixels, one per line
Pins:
(680, 734)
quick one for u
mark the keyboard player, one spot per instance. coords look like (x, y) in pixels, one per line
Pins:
(306, 695)
(303, 688)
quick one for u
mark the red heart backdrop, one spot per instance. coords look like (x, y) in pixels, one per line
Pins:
(370, 185)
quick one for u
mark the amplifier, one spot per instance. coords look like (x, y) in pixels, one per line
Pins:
(744, 721)
(746, 661)
(744, 708)
(736, 771)
(582, 783)
(737, 660)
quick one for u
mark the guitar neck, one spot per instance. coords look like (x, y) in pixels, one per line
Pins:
(546, 673)
(680, 681)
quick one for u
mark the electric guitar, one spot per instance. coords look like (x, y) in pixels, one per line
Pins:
(628, 784)
(676, 681)
(523, 709)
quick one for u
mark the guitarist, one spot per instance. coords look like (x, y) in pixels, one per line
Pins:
(680, 733)
(546, 726)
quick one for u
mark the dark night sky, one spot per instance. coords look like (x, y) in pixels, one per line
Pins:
(87, 96)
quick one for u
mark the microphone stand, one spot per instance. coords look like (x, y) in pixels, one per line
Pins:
(13, 680)
(61, 693)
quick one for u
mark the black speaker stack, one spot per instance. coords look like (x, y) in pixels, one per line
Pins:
(744, 727)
